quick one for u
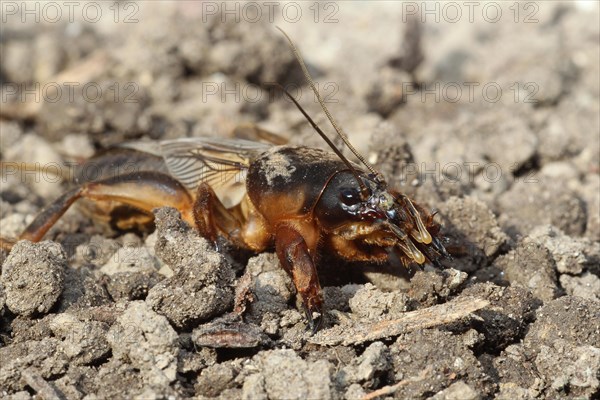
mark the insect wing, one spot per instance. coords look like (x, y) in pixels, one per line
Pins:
(222, 163)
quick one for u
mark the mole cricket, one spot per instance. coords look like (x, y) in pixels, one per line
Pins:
(258, 196)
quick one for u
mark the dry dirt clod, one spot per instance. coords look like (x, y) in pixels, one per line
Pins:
(84, 342)
(446, 358)
(572, 255)
(473, 230)
(507, 317)
(338, 298)
(564, 318)
(127, 380)
(369, 369)
(202, 284)
(430, 287)
(270, 287)
(531, 265)
(148, 341)
(530, 204)
(575, 370)
(131, 272)
(195, 360)
(33, 277)
(587, 285)
(283, 374)
(44, 356)
(457, 391)
(82, 291)
(215, 379)
(539, 257)
(565, 349)
(370, 303)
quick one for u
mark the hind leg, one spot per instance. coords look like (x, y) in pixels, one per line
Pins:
(213, 218)
(142, 190)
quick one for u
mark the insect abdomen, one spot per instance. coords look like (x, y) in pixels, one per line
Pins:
(116, 162)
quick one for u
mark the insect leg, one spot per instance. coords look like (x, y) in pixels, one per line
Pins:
(144, 190)
(295, 258)
(44, 220)
(212, 217)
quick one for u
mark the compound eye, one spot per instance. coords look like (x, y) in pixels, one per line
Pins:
(350, 197)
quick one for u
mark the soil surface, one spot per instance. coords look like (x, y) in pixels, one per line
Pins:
(486, 112)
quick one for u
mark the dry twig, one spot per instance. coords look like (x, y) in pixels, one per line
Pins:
(420, 319)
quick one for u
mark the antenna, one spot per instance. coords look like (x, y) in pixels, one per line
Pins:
(379, 178)
(363, 188)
